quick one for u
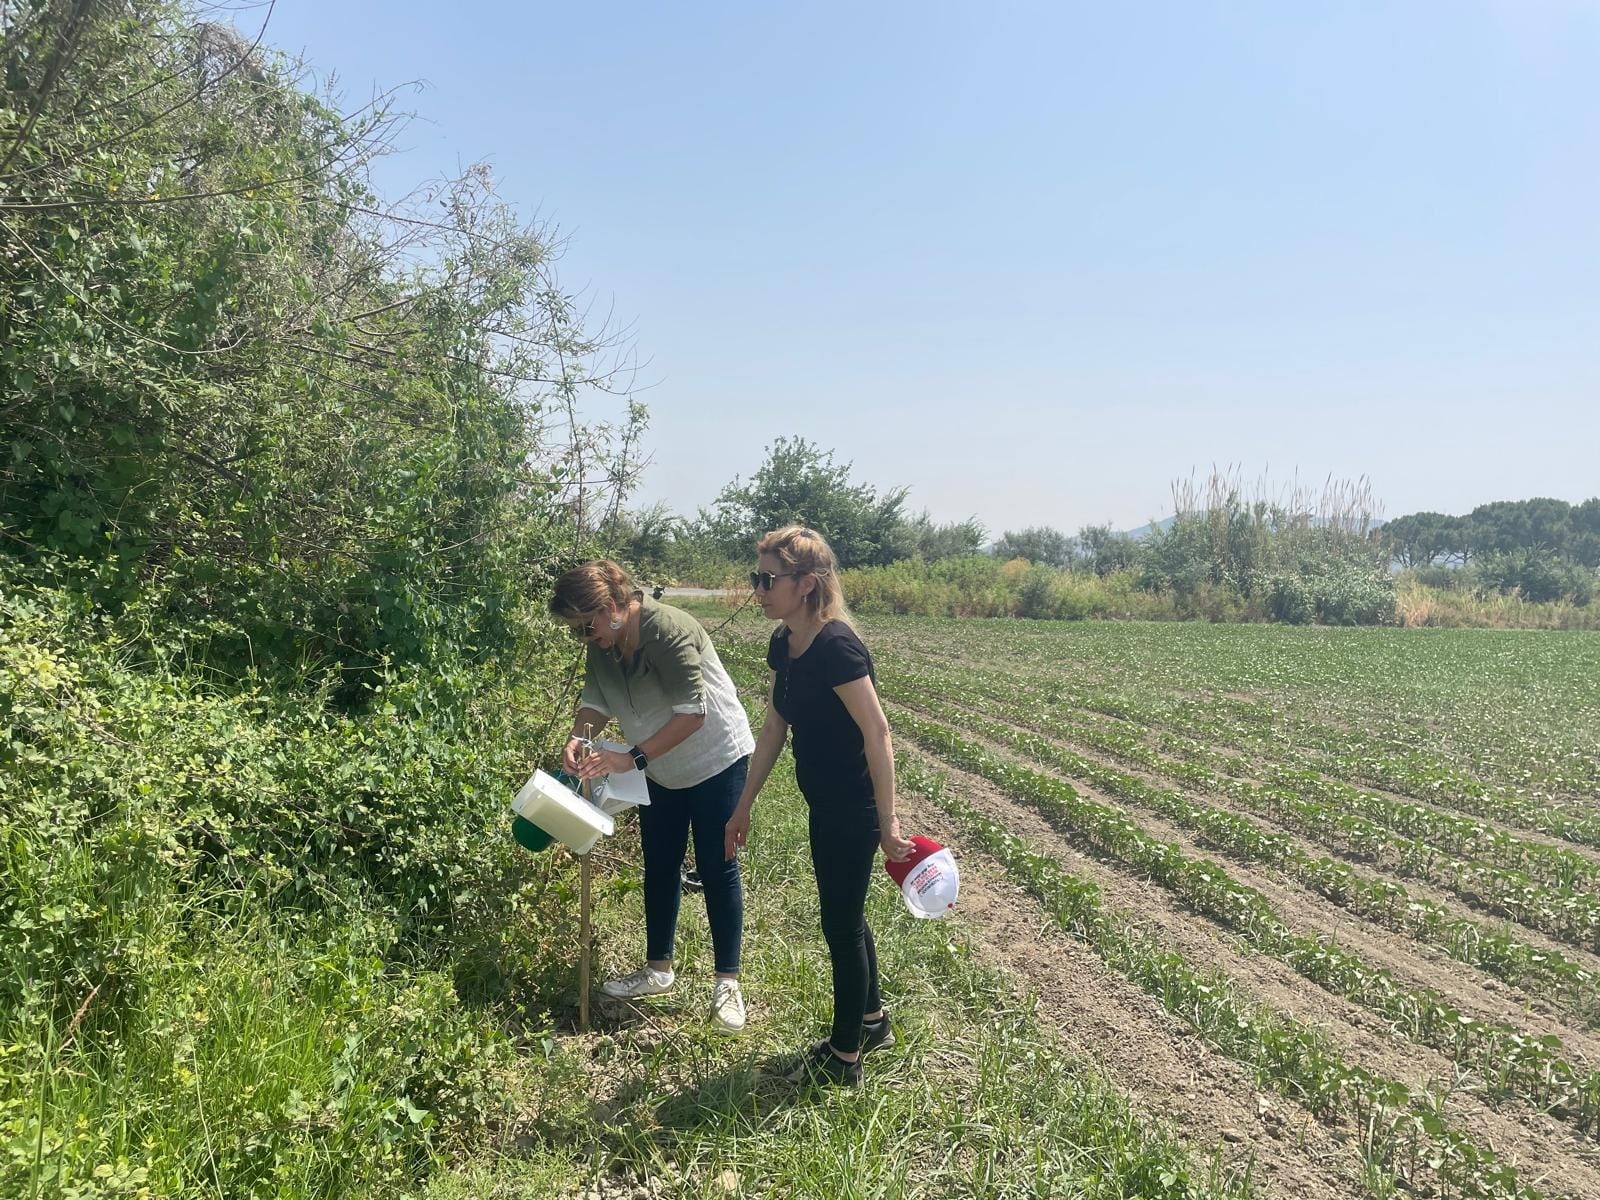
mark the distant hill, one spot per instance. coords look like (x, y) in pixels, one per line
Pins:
(1145, 531)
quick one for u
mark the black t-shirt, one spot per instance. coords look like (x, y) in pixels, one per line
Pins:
(830, 761)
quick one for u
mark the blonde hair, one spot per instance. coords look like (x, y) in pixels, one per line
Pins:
(589, 587)
(806, 552)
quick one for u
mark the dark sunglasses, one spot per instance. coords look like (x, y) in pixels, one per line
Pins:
(761, 581)
(584, 632)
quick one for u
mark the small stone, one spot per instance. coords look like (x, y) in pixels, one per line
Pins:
(729, 1181)
(1230, 1134)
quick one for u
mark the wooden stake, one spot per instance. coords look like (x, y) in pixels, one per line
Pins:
(584, 936)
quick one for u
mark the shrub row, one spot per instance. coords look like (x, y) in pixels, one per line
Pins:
(982, 586)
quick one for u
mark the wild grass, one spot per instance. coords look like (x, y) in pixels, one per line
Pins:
(1420, 606)
(975, 1100)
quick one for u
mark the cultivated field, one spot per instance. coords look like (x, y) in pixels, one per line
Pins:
(1326, 901)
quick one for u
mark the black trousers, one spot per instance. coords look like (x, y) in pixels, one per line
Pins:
(844, 843)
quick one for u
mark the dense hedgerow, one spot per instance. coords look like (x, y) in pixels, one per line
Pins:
(982, 586)
(277, 507)
(237, 908)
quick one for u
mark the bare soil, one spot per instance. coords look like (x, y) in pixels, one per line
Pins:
(1163, 1067)
(1542, 1148)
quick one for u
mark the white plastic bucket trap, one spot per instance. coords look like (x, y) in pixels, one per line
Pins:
(562, 813)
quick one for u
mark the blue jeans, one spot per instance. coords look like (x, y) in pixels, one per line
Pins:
(664, 826)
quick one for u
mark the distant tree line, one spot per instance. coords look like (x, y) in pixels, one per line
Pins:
(1226, 552)
(798, 481)
(1542, 549)
(1543, 526)
(1230, 550)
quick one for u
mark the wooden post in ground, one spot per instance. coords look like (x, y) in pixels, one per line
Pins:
(584, 936)
(584, 939)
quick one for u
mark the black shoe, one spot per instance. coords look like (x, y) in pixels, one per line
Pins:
(819, 1065)
(691, 881)
(877, 1035)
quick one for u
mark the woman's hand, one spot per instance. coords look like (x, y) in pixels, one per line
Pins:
(605, 762)
(571, 757)
(736, 832)
(895, 847)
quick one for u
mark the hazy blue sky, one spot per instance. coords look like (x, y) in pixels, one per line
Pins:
(1036, 260)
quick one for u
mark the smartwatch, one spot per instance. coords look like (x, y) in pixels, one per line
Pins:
(640, 759)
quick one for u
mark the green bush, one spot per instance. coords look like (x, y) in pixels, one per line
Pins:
(1352, 595)
(1289, 600)
(971, 586)
(1534, 576)
(208, 893)
(1036, 594)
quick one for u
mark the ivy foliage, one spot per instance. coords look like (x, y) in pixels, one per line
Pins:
(284, 473)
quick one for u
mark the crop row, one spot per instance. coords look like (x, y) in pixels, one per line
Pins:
(1452, 832)
(1568, 914)
(1416, 774)
(1542, 969)
(1510, 1061)
(1374, 741)
(1284, 736)
(1571, 916)
(1401, 1131)
(1383, 901)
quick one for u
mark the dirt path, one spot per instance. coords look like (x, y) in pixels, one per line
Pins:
(1540, 1146)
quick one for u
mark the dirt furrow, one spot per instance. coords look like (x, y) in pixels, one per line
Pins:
(1167, 1071)
(1419, 888)
(1539, 1145)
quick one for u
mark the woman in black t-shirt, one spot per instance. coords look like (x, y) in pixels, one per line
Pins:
(823, 689)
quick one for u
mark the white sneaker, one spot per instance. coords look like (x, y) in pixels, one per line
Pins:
(646, 981)
(727, 1006)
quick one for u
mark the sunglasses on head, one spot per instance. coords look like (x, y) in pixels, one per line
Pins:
(761, 581)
